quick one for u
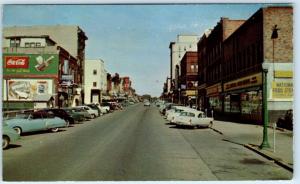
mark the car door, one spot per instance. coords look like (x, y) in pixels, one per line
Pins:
(37, 122)
(192, 119)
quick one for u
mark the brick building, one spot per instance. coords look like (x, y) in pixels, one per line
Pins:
(210, 52)
(250, 49)
(233, 73)
(189, 78)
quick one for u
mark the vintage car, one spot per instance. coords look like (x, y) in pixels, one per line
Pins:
(147, 103)
(36, 121)
(171, 116)
(193, 119)
(8, 135)
(83, 112)
(75, 115)
(94, 113)
(61, 113)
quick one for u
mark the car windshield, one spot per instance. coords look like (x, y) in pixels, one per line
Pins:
(183, 114)
(178, 110)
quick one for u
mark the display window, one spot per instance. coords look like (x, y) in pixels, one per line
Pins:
(251, 102)
(216, 103)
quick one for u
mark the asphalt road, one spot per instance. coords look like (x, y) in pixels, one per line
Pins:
(135, 144)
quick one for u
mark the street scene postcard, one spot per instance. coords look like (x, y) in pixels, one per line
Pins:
(148, 92)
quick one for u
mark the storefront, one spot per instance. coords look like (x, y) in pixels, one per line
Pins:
(213, 94)
(243, 97)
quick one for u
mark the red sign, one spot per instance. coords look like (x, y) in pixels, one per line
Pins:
(16, 62)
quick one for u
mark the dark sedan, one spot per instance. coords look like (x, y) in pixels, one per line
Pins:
(61, 114)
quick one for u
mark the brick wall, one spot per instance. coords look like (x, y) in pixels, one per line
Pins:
(283, 48)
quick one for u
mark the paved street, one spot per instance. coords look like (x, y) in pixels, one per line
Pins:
(133, 144)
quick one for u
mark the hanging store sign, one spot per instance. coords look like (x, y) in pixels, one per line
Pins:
(214, 89)
(191, 92)
(282, 90)
(245, 82)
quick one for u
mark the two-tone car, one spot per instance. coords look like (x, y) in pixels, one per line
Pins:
(193, 119)
(36, 121)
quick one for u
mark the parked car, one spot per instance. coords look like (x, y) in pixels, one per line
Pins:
(61, 114)
(36, 121)
(286, 121)
(95, 107)
(75, 115)
(92, 112)
(8, 135)
(194, 119)
(178, 109)
(106, 106)
(83, 112)
(103, 109)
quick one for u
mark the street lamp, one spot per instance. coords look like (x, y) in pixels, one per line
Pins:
(265, 143)
(179, 95)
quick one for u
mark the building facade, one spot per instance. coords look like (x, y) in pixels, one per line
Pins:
(95, 81)
(183, 44)
(189, 78)
(33, 68)
(231, 69)
(71, 39)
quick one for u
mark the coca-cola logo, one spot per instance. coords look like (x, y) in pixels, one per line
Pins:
(16, 62)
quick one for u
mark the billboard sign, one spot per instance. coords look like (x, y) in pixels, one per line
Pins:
(27, 89)
(35, 64)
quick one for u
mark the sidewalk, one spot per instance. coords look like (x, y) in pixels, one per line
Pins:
(251, 136)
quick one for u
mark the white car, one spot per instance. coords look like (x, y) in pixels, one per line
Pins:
(103, 109)
(194, 119)
(171, 116)
(92, 112)
(147, 103)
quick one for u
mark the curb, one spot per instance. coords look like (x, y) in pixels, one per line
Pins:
(278, 162)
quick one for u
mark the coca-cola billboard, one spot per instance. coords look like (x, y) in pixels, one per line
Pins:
(16, 62)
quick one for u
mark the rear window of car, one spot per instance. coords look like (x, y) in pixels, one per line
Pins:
(191, 114)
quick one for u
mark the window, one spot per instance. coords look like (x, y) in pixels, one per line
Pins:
(14, 43)
(94, 84)
(32, 44)
(95, 72)
(27, 44)
(192, 67)
(38, 44)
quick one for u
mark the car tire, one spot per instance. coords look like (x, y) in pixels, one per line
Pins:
(67, 123)
(54, 129)
(5, 142)
(93, 116)
(18, 130)
(210, 124)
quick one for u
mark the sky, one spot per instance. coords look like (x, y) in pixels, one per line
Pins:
(133, 40)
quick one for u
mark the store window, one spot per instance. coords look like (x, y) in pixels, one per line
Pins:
(251, 102)
(215, 103)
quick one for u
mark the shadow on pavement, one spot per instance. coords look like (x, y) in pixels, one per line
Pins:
(11, 146)
(42, 132)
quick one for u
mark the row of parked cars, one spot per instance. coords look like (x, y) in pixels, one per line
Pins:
(183, 116)
(51, 119)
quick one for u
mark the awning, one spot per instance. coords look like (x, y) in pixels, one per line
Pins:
(256, 88)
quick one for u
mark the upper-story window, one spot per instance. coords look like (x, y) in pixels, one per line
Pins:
(14, 43)
(95, 72)
(94, 84)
